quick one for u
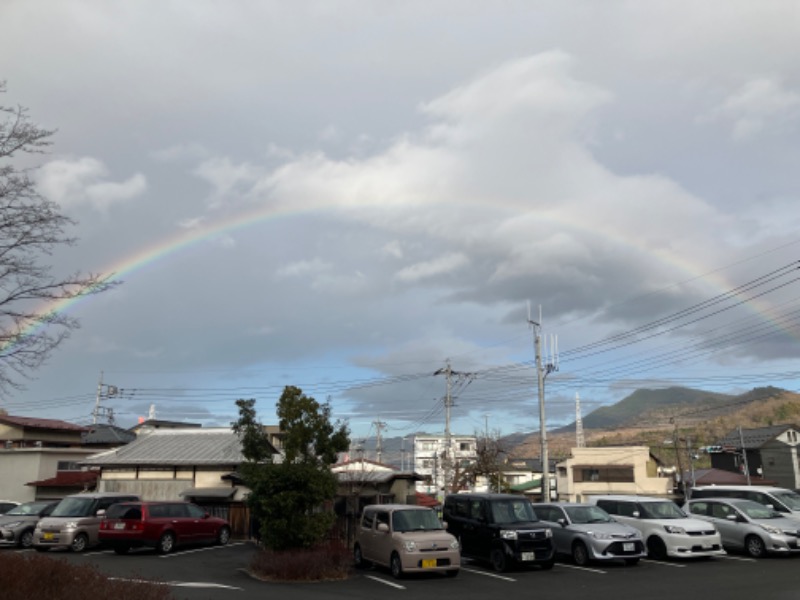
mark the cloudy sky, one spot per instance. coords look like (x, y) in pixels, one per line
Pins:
(346, 195)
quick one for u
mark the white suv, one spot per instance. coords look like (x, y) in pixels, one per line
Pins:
(666, 529)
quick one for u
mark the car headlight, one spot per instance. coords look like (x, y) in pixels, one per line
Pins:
(548, 533)
(38, 526)
(674, 529)
(12, 525)
(771, 529)
(455, 545)
(509, 534)
(410, 546)
(599, 535)
(70, 525)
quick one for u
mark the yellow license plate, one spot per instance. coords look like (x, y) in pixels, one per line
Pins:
(429, 563)
(47, 536)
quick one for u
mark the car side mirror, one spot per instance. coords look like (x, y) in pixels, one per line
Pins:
(206, 516)
(733, 518)
(445, 524)
(635, 514)
(562, 521)
(100, 513)
(383, 528)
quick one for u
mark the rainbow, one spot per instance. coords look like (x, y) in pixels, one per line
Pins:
(189, 237)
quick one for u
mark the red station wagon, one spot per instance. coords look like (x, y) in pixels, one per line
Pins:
(160, 525)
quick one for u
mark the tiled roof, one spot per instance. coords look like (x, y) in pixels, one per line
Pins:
(106, 434)
(68, 479)
(722, 477)
(754, 438)
(32, 423)
(176, 447)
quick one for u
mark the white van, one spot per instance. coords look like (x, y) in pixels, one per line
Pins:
(75, 521)
(786, 502)
(666, 529)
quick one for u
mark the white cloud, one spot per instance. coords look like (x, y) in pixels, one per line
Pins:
(226, 176)
(758, 105)
(393, 249)
(83, 181)
(303, 268)
(437, 267)
(180, 152)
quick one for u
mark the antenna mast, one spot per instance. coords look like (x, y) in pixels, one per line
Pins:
(580, 442)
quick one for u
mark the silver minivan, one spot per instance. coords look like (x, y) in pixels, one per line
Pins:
(747, 525)
(782, 500)
(74, 523)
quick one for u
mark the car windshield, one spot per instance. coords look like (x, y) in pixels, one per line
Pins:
(754, 510)
(415, 520)
(581, 515)
(790, 499)
(662, 510)
(29, 508)
(73, 507)
(512, 511)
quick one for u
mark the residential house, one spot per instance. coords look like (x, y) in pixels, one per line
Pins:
(196, 464)
(768, 452)
(363, 482)
(39, 458)
(612, 470)
(522, 476)
(439, 463)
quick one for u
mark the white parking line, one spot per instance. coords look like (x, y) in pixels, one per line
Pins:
(391, 583)
(181, 553)
(185, 584)
(487, 574)
(666, 564)
(581, 568)
(741, 558)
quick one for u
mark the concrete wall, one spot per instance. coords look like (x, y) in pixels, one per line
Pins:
(21, 465)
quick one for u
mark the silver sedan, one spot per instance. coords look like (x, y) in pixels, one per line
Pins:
(586, 532)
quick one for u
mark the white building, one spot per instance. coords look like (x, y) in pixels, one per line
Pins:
(440, 465)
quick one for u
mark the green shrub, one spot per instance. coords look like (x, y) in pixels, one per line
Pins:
(25, 576)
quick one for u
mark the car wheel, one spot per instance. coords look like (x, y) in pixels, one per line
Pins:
(80, 543)
(498, 560)
(453, 572)
(755, 546)
(631, 562)
(166, 543)
(224, 536)
(396, 566)
(26, 539)
(358, 558)
(656, 548)
(580, 554)
(121, 548)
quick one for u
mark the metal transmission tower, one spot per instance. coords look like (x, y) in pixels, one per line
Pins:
(542, 371)
(580, 442)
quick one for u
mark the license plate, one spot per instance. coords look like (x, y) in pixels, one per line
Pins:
(48, 536)
(528, 556)
(119, 525)
(429, 563)
(628, 547)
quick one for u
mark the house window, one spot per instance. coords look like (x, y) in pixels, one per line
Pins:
(427, 446)
(68, 465)
(619, 474)
(465, 446)
(427, 463)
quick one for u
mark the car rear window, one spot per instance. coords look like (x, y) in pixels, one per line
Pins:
(124, 511)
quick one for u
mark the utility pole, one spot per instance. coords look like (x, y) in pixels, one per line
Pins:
(580, 442)
(104, 392)
(542, 371)
(378, 448)
(448, 402)
(744, 456)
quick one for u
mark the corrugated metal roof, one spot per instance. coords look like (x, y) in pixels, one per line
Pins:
(176, 447)
(754, 438)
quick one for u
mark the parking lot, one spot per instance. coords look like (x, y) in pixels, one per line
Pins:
(218, 573)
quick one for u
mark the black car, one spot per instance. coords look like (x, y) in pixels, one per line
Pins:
(499, 528)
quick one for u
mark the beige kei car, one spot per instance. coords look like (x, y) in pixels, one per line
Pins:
(407, 539)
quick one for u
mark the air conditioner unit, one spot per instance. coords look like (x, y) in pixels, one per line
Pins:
(38, 444)
(9, 444)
